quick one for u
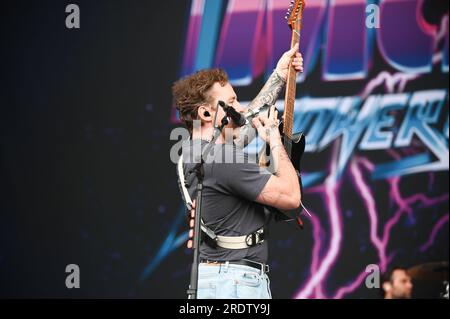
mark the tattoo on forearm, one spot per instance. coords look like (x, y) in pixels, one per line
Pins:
(270, 91)
(268, 95)
(277, 158)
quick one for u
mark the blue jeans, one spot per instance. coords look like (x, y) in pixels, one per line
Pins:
(228, 281)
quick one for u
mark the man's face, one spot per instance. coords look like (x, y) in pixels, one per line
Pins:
(401, 285)
(226, 94)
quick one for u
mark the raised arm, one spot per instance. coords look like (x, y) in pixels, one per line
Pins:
(271, 90)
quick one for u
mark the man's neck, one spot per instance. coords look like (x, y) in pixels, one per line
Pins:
(206, 134)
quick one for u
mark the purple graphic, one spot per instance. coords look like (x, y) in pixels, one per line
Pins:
(192, 36)
(254, 34)
(440, 223)
(241, 48)
(346, 54)
(405, 40)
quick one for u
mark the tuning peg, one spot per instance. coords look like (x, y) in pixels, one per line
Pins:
(292, 1)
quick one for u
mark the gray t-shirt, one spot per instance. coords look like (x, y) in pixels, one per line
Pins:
(229, 191)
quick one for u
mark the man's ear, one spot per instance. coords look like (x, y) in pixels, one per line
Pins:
(387, 286)
(204, 114)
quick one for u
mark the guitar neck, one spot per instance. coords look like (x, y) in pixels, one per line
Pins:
(289, 100)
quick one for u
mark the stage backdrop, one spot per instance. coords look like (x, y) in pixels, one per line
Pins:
(87, 116)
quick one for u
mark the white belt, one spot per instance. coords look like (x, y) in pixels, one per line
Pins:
(240, 242)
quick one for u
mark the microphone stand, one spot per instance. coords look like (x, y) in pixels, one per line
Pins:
(200, 173)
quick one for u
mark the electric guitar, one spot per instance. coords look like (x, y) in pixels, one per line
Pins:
(293, 143)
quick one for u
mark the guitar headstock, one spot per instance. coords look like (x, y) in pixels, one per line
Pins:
(294, 14)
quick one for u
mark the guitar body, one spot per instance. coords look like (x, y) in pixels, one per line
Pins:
(295, 147)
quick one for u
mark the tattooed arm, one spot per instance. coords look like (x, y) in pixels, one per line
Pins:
(270, 91)
(268, 95)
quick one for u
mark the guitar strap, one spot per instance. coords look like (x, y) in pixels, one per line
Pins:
(208, 235)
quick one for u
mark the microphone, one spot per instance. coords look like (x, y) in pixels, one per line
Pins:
(236, 117)
(241, 119)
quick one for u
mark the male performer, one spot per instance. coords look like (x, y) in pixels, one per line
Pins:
(397, 284)
(234, 266)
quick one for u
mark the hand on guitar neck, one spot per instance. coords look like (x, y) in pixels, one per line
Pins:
(293, 55)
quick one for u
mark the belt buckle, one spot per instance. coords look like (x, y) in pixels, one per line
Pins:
(250, 240)
(254, 238)
(263, 267)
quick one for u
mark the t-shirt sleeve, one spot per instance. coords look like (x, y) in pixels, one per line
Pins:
(246, 179)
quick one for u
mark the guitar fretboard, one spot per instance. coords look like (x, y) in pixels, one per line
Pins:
(288, 115)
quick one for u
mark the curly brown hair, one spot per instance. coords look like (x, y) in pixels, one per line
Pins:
(191, 92)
